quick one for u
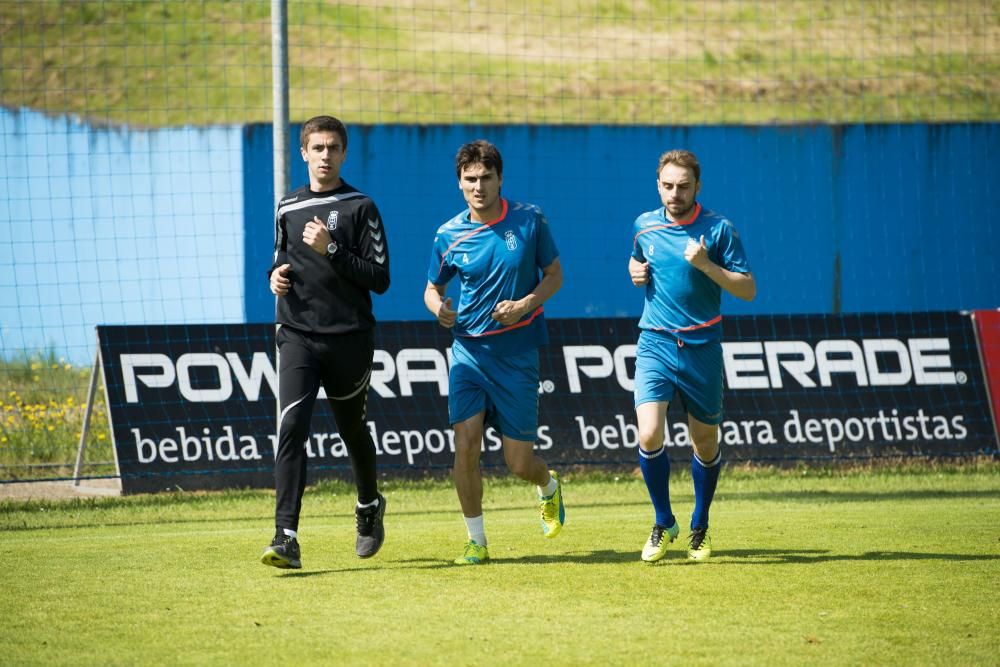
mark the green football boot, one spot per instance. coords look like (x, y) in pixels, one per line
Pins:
(700, 547)
(475, 554)
(656, 546)
(553, 510)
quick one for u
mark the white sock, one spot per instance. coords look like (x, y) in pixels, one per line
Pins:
(549, 488)
(290, 532)
(373, 503)
(477, 532)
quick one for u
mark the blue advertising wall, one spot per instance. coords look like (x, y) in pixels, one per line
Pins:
(103, 225)
(843, 218)
(114, 225)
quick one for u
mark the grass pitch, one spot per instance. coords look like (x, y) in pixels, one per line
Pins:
(859, 567)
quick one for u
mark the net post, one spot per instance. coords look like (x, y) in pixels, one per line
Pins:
(279, 95)
(85, 429)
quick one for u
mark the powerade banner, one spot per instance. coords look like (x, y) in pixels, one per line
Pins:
(191, 406)
(194, 407)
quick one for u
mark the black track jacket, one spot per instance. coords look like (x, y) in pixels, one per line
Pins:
(331, 294)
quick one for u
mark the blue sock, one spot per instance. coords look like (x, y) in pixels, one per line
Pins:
(655, 468)
(706, 476)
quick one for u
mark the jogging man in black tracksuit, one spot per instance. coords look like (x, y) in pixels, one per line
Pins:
(330, 253)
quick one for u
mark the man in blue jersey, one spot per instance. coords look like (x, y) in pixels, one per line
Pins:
(684, 255)
(497, 249)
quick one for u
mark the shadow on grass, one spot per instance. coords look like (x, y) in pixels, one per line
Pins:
(316, 573)
(404, 564)
(812, 496)
(263, 519)
(738, 556)
(819, 495)
(602, 557)
(610, 556)
(808, 556)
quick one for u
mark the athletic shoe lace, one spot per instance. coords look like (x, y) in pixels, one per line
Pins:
(472, 550)
(366, 519)
(697, 537)
(656, 536)
(550, 508)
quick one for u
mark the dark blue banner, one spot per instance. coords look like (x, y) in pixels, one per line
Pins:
(193, 407)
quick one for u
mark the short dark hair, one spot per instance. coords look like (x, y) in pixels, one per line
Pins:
(478, 152)
(681, 158)
(322, 124)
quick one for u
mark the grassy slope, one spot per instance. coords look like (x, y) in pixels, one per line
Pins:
(559, 61)
(856, 568)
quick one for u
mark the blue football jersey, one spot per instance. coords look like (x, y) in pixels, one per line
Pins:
(680, 299)
(495, 261)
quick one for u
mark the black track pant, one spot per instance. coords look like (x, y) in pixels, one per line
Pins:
(342, 364)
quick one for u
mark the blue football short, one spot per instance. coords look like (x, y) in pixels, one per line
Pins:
(503, 386)
(665, 365)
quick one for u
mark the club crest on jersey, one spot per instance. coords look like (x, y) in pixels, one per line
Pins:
(331, 220)
(511, 240)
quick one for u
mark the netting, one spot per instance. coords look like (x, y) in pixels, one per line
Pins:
(131, 173)
(168, 62)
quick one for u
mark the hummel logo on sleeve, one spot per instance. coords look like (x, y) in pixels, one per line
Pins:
(376, 235)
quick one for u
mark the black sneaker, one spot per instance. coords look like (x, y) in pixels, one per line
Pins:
(371, 532)
(283, 552)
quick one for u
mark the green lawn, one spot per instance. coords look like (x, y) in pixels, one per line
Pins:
(809, 567)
